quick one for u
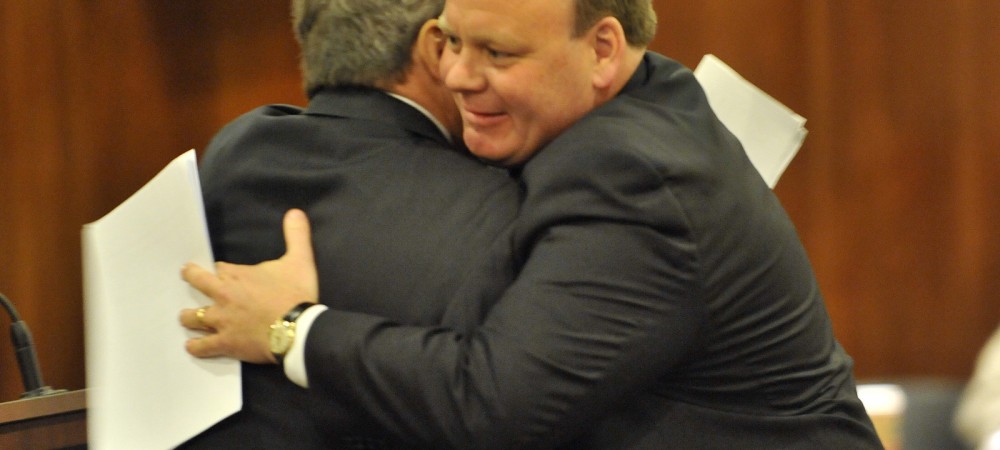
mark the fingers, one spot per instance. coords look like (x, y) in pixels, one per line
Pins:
(206, 282)
(247, 298)
(196, 319)
(218, 345)
(204, 347)
(298, 238)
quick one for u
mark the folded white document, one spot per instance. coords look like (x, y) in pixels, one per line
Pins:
(143, 389)
(770, 132)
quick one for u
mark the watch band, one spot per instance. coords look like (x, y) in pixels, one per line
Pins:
(289, 319)
(297, 311)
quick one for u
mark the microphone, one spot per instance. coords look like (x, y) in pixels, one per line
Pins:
(27, 359)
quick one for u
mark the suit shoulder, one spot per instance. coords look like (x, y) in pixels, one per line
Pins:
(661, 123)
(257, 117)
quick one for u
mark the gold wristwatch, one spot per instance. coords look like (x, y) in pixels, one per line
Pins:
(282, 332)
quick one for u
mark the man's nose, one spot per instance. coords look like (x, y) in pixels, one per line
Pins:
(462, 73)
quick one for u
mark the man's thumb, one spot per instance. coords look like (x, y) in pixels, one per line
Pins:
(298, 237)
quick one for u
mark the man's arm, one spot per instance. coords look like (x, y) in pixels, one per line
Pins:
(569, 340)
(573, 337)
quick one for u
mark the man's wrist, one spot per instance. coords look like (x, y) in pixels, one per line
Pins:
(295, 359)
(282, 331)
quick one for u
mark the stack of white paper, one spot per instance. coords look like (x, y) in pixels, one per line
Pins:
(143, 390)
(771, 133)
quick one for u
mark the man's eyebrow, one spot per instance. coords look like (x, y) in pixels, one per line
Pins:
(443, 24)
(484, 41)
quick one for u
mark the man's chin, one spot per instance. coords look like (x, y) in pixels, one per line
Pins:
(507, 162)
(487, 153)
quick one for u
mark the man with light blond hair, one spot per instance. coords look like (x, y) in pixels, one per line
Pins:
(663, 299)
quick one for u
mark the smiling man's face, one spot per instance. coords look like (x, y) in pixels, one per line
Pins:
(518, 74)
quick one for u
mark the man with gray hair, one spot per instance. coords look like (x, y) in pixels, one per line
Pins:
(663, 298)
(400, 212)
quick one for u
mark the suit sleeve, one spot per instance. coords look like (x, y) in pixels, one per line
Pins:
(604, 304)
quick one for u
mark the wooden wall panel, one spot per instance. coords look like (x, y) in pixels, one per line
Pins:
(893, 192)
(97, 96)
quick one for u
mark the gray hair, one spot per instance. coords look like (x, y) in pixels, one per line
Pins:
(358, 42)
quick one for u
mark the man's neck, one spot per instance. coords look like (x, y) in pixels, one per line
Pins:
(629, 63)
(424, 111)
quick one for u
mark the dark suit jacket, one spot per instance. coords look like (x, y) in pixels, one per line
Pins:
(401, 221)
(663, 301)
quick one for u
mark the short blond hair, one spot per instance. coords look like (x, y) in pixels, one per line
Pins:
(636, 16)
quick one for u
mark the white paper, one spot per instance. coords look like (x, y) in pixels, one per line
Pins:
(770, 132)
(143, 389)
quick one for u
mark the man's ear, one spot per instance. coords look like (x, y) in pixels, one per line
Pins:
(610, 46)
(429, 47)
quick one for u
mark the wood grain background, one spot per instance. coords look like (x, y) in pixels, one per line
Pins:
(894, 192)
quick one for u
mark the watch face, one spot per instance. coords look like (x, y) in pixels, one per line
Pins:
(281, 336)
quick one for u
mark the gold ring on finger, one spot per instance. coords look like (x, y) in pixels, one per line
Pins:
(200, 315)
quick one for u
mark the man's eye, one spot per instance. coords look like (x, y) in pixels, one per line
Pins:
(453, 42)
(497, 54)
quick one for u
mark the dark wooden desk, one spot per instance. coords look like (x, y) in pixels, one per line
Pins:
(56, 421)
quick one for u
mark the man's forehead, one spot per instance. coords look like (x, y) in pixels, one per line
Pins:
(505, 14)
